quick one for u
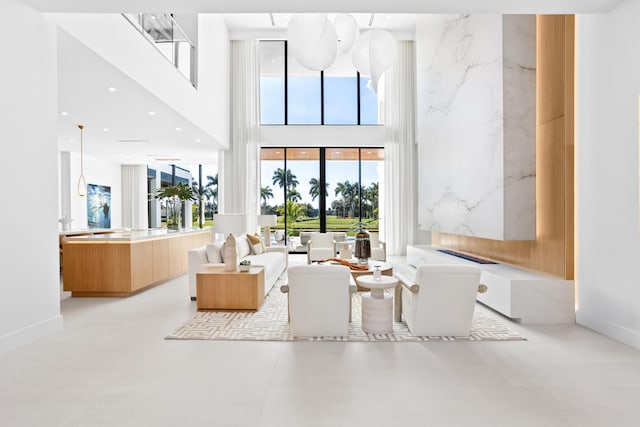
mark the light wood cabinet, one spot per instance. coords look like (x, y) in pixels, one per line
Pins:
(121, 264)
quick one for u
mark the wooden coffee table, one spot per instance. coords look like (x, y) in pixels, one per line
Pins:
(217, 289)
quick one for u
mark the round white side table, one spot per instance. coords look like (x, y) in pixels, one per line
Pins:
(377, 307)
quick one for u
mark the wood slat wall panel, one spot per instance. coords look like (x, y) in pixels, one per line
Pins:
(553, 250)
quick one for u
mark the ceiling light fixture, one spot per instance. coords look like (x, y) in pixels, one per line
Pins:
(314, 42)
(111, 89)
(151, 113)
(178, 129)
(64, 113)
(82, 183)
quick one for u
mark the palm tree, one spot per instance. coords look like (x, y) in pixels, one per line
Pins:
(210, 192)
(315, 188)
(281, 178)
(349, 193)
(266, 193)
(293, 195)
(372, 196)
(338, 206)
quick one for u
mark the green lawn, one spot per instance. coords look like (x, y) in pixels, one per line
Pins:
(333, 223)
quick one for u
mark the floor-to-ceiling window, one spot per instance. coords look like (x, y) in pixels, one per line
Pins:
(290, 94)
(322, 189)
(203, 179)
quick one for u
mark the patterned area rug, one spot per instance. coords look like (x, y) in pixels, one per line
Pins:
(270, 324)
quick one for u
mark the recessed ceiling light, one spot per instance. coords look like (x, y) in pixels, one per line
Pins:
(151, 113)
(197, 140)
(64, 113)
(368, 152)
(303, 152)
(178, 129)
(388, 16)
(71, 141)
(111, 89)
(105, 130)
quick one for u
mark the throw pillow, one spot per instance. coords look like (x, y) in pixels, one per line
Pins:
(243, 245)
(256, 244)
(214, 253)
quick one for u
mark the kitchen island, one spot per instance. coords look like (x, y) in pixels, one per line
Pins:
(122, 263)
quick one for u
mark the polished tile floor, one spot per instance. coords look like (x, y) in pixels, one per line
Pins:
(111, 366)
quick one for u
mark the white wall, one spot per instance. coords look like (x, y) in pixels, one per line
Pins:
(30, 288)
(322, 136)
(100, 172)
(476, 125)
(607, 216)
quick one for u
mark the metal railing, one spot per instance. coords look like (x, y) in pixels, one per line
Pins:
(162, 31)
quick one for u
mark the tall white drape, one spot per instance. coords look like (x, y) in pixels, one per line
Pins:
(239, 166)
(400, 185)
(134, 196)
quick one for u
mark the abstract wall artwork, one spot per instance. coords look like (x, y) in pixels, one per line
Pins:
(98, 206)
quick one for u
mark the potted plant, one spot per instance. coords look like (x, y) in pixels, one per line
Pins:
(245, 265)
(174, 196)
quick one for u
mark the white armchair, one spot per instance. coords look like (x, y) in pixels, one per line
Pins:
(378, 248)
(319, 299)
(320, 246)
(442, 300)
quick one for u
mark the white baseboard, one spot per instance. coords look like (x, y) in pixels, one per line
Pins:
(30, 333)
(609, 329)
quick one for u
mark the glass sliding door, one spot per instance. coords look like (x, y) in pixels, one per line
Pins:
(303, 190)
(343, 196)
(371, 178)
(321, 189)
(271, 190)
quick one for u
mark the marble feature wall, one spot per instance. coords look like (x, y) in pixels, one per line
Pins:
(476, 125)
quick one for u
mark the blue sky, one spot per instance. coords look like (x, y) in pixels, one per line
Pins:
(304, 100)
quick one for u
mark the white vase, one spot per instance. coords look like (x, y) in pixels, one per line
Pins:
(230, 254)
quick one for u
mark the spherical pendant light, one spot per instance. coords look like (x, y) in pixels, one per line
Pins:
(347, 31)
(312, 40)
(373, 54)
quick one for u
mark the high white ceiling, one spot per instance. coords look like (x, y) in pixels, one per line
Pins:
(118, 126)
(240, 24)
(111, 118)
(351, 6)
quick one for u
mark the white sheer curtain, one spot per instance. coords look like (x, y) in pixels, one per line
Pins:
(400, 185)
(238, 166)
(134, 196)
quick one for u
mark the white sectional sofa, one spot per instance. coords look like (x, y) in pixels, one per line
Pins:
(274, 260)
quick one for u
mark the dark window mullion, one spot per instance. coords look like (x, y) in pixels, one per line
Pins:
(322, 97)
(322, 206)
(286, 87)
(286, 239)
(360, 184)
(358, 90)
